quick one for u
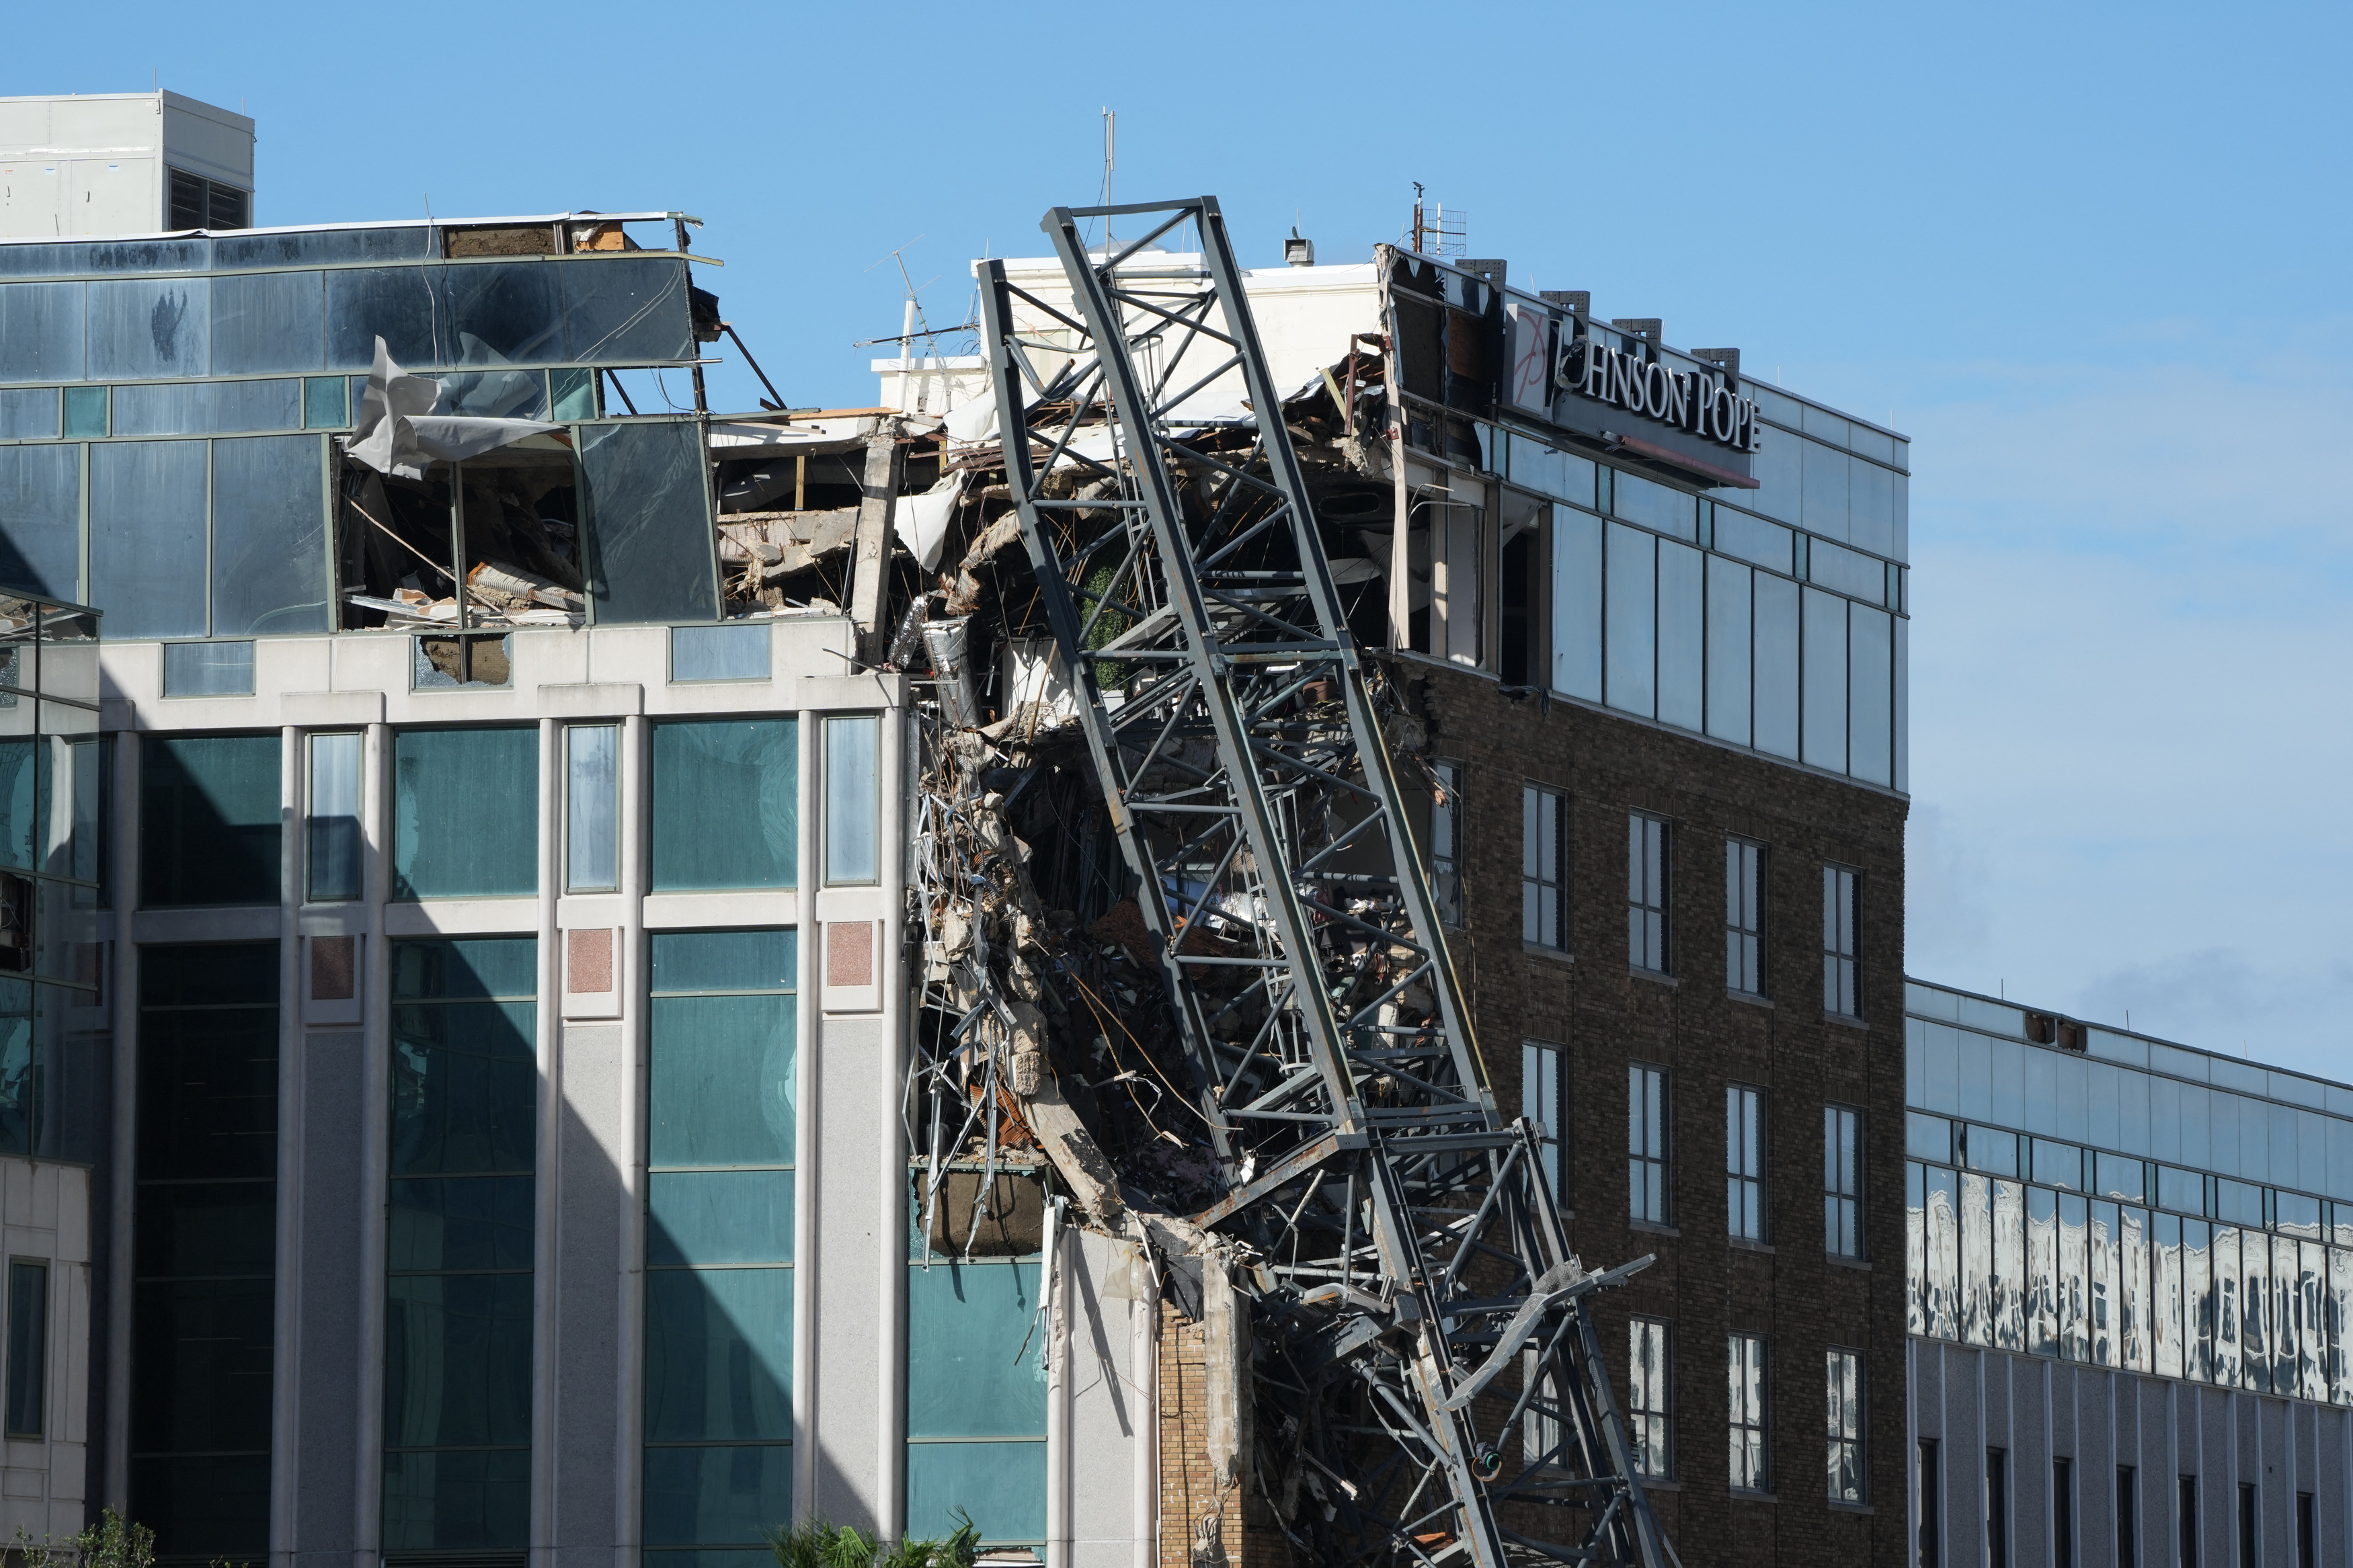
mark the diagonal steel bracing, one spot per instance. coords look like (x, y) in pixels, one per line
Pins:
(1430, 1388)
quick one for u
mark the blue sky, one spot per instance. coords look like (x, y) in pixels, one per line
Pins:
(2091, 259)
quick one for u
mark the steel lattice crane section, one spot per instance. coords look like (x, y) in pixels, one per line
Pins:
(1413, 1250)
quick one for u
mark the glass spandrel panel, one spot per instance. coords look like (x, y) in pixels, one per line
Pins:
(1976, 1258)
(465, 1087)
(2075, 1279)
(726, 809)
(147, 503)
(86, 411)
(1941, 1307)
(650, 533)
(465, 816)
(40, 520)
(1871, 692)
(505, 313)
(718, 1216)
(458, 1370)
(405, 306)
(458, 1500)
(2134, 1350)
(1576, 604)
(1632, 620)
(1001, 1486)
(209, 669)
(1727, 650)
(403, 242)
(269, 536)
(326, 402)
(146, 327)
(209, 820)
(1755, 541)
(1826, 680)
(460, 1225)
(2197, 1323)
(2008, 1298)
(2258, 1312)
(719, 1355)
(626, 311)
(468, 969)
(716, 1494)
(29, 413)
(1871, 518)
(2042, 1271)
(1776, 676)
(1681, 634)
(1777, 466)
(2340, 1325)
(2229, 1286)
(1654, 506)
(269, 322)
(1825, 480)
(721, 1080)
(41, 331)
(493, 394)
(966, 1323)
(207, 407)
(724, 961)
(737, 651)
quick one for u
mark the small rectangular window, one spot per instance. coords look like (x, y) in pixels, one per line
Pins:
(1544, 851)
(2186, 1522)
(85, 412)
(1446, 843)
(207, 670)
(1844, 1371)
(28, 1346)
(334, 822)
(1543, 1099)
(1647, 925)
(1744, 1367)
(1840, 950)
(592, 817)
(1927, 1482)
(326, 403)
(853, 799)
(1646, 1143)
(1996, 1508)
(1744, 1159)
(1743, 916)
(2307, 1531)
(1650, 1414)
(2249, 1534)
(2128, 1518)
(1841, 1181)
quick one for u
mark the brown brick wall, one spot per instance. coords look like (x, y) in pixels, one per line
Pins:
(1188, 1491)
(1609, 1015)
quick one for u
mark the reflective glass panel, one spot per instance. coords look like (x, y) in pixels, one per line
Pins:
(1576, 604)
(147, 555)
(40, 519)
(465, 813)
(650, 536)
(269, 536)
(726, 809)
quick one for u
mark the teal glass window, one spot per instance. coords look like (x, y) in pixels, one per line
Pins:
(721, 1137)
(326, 403)
(650, 555)
(203, 1247)
(573, 394)
(853, 799)
(457, 1322)
(209, 820)
(592, 827)
(738, 651)
(726, 804)
(465, 813)
(85, 412)
(976, 1404)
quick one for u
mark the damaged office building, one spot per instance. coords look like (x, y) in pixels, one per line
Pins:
(602, 976)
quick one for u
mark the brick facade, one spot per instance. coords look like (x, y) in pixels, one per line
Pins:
(1590, 1000)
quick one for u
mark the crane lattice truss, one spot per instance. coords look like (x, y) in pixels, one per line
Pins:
(1427, 1370)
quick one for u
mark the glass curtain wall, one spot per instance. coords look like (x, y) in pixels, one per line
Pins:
(465, 813)
(2045, 1212)
(721, 1143)
(726, 804)
(209, 820)
(976, 1399)
(458, 1321)
(203, 1248)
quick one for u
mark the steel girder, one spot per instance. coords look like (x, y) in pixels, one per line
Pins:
(1429, 1385)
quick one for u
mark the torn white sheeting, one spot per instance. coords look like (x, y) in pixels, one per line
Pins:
(924, 519)
(975, 421)
(743, 438)
(399, 433)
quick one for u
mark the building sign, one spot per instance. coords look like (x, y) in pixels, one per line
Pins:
(1687, 400)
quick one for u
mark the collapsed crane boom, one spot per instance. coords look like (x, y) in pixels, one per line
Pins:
(1428, 1372)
